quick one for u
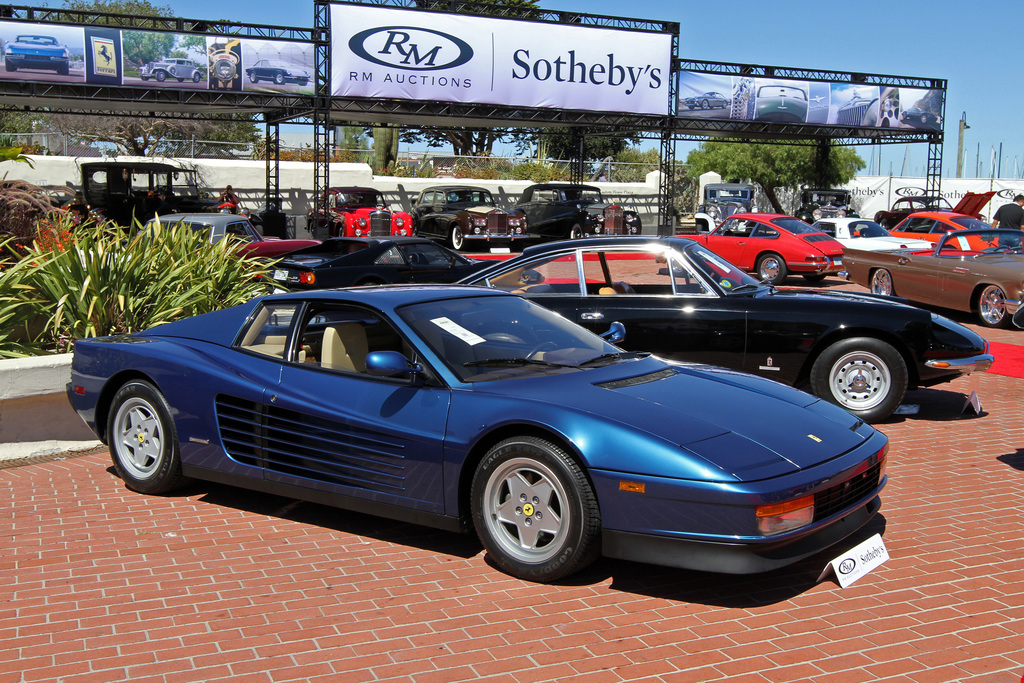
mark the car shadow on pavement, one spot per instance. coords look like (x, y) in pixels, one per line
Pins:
(725, 590)
(934, 405)
(1014, 460)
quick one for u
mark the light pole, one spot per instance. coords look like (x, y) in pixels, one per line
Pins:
(960, 145)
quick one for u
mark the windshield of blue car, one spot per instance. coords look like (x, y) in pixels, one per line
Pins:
(490, 338)
(717, 269)
(794, 226)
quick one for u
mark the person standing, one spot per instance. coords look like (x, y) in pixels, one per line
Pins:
(1010, 216)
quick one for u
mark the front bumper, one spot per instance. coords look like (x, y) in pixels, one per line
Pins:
(731, 558)
(963, 366)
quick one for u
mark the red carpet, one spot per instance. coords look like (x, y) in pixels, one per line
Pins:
(1009, 359)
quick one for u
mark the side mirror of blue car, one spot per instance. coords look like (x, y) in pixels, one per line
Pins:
(615, 334)
(390, 364)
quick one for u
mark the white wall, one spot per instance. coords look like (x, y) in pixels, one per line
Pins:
(248, 178)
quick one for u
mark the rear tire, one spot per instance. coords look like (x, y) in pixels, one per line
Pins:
(771, 268)
(143, 440)
(991, 307)
(456, 238)
(881, 283)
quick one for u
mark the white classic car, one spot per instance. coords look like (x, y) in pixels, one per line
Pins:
(866, 235)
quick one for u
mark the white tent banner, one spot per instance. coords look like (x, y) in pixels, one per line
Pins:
(401, 54)
(877, 193)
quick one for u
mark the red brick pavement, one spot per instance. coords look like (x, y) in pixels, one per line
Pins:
(214, 583)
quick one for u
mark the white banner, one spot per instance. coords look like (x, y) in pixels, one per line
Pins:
(877, 193)
(405, 54)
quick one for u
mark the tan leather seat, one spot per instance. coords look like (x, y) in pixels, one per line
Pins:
(344, 347)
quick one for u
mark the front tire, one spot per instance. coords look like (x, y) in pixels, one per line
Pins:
(575, 232)
(992, 307)
(279, 78)
(866, 376)
(535, 510)
(143, 440)
(456, 238)
(771, 268)
(881, 283)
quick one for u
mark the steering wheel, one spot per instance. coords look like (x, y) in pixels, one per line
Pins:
(540, 347)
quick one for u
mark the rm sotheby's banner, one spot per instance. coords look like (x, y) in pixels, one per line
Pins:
(401, 54)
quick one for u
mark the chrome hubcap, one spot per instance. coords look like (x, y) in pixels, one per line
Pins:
(992, 305)
(860, 380)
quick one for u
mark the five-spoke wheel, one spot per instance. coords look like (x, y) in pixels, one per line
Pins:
(992, 307)
(535, 510)
(142, 439)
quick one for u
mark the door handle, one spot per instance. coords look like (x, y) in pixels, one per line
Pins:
(592, 316)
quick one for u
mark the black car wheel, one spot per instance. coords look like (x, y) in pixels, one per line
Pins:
(253, 78)
(535, 510)
(881, 283)
(885, 223)
(160, 76)
(142, 439)
(866, 376)
(279, 78)
(704, 104)
(991, 307)
(10, 66)
(771, 268)
(575, 232)
(456, 238)
(196, 77)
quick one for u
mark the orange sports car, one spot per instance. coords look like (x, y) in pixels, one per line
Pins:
(932, 225)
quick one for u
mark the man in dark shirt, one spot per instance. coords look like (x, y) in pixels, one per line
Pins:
(1010, 216)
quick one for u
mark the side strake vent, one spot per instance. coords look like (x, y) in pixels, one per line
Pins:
(639, 379)
(297, 444)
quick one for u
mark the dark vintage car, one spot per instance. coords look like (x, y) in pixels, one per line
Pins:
(818, 204)
(463, 216)
(278, 71)
(467, 409)
(172, 67)
(916, 117)
(722, 200)
(125, 191)
(43, 53)
(979, 271)
(348, 261)
(681, 301)
(708, 100)
(774, 246)
(357, 212)
(220, 225)
(781, 103)
(970, 204)
(563, 211)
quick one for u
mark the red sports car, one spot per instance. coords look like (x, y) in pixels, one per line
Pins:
(932, 225)
(772, 246)
(357, 212)
(970, 204)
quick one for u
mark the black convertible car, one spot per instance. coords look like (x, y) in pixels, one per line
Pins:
(352, 261)
(681, 301)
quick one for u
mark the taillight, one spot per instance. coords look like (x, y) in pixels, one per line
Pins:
(307, 277)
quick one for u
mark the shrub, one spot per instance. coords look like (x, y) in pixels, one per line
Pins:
(105, 282)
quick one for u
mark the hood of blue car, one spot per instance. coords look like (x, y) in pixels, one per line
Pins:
(742, 428)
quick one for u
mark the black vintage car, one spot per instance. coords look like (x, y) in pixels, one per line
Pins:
(818, 204)
(463, 216)
(556, 211)
(681, 301)
(121, 191)
(353, 261)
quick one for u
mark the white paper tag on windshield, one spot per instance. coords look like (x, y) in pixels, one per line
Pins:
(457, 330)
(854, 564)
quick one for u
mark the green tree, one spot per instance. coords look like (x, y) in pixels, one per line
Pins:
(775, 167)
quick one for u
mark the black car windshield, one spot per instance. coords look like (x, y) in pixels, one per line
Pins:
(827, 198)
(469, 197)
(718, 270)
(492, 338)
(728, 194)
(794, 226)
(355, 199)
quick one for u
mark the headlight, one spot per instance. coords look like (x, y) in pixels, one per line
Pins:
(816, 214)
(399, 221)
(362, 221)
(841, 213)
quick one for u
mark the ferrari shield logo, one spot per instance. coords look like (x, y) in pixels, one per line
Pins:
(104, 58)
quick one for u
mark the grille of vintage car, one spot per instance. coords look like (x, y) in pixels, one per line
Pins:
(614, 221)
(852, 114)
(497, 223)
(829, 211)
(380, 223)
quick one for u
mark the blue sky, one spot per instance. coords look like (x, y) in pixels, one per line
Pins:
(977, 47)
